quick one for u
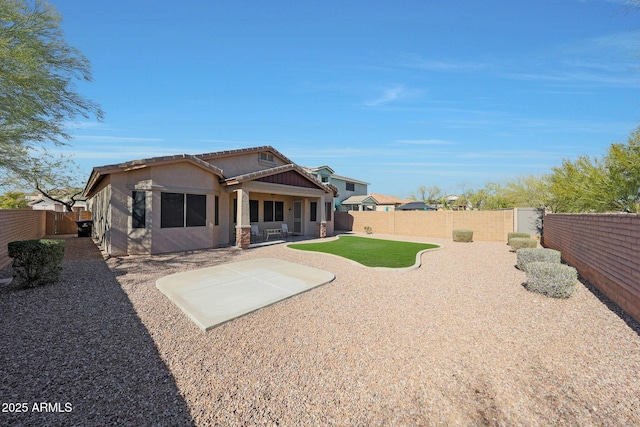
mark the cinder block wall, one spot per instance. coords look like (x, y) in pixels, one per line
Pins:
(486, 225)
(19, 225)
(605, 249)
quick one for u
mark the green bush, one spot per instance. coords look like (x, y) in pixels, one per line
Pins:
(520, 243)
(527, 255)
(554, 280)
(37, 262)
(462, 235)
(514, 235)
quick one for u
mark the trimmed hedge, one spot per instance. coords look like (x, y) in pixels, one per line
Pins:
(554, 280)
(461, 235)
(37, 262)
(528, 255)
(514, 235)
(520, 243)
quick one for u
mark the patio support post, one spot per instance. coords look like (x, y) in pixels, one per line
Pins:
(243, 227)
(322, 226)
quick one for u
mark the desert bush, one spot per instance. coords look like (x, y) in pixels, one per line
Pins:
(462, 235)
(514, 235)
(554, 280)
(36, 262)
(520, 243)
(527, 255)
(368, 230)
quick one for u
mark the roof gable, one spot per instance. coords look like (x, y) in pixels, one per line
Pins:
(388, 200)
(230, 153)
(289, 174)
(101, 171)
(359, 200)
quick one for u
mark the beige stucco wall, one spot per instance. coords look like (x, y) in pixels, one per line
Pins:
(241, 164)
(112, 205)
(179, 178)
(100, 207)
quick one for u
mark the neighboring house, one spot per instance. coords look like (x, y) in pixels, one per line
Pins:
(388, 203)
(43, 203)
(455, 204)
(346, 187)
(186, 202)
(359, 203)
(417, 206)
(372, 202)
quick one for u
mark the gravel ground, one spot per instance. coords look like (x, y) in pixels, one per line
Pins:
(458, 341)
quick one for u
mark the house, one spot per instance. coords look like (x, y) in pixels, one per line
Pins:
(388, 203)
(359, 203)
(345, 186)
(43, 203)
(457, 203)
(417, 206)
(372, 202)
(186, 202)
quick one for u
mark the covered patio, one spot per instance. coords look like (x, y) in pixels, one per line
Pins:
(271, 200)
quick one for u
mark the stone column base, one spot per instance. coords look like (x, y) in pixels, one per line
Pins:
(243, 236)
(322, 230)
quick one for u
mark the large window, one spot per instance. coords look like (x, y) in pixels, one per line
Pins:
(216, 211)
(313, 211)
(351, 186)
(183, 210)
(273, 211)
(196, 210)
(138, 209)
(253, 210)
(328, 209)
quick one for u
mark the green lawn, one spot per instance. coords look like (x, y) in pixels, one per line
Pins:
(370, 252)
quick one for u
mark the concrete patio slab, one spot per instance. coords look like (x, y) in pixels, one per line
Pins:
(214, 295)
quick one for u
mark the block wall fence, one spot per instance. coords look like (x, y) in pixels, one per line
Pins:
(486, 225)
(19, 225)
(605, 249)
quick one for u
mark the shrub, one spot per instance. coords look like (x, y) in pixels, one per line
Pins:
(517, 236)
(368, 230)
(462, 235)
(520, 243)
(527, 255)
(37, 262)
(554, 280)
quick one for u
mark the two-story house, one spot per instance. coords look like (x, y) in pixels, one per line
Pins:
(346, 186)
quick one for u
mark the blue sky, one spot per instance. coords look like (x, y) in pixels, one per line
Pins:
(396, 93)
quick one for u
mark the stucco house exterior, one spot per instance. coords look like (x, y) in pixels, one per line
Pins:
(346, 186)
(187, 202)
(372, 202)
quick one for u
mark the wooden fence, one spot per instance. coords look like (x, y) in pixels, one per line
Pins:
(65, 222)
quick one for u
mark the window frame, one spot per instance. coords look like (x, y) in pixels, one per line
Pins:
(182, 210)
(273, 211)
(328, 210)
(313, 211)
(138, 209)
(195, 214)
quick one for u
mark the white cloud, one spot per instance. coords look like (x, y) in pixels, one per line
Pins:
(388, 95)
(425, 142)
(113, 139)
(415, 61)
